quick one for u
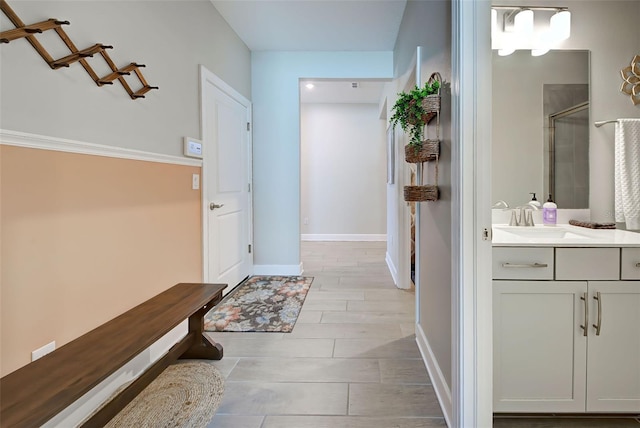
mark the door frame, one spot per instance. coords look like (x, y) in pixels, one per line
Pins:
(206, 75)
(472, 320)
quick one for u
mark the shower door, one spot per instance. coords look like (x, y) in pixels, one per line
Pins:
(569, 156)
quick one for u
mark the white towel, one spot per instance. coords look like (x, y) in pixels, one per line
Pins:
(627, 172)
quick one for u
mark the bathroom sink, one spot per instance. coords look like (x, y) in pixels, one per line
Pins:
(562, 235)
(540, 235)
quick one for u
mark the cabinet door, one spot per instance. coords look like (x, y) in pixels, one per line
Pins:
(613, 359)
(539, 350)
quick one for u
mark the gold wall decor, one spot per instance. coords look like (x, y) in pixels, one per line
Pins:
(631, 80)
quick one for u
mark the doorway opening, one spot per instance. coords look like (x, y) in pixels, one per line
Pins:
(342, 160)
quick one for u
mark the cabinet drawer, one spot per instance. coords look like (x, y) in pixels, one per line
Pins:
(522, 263)
(630, 265)
(599, 264)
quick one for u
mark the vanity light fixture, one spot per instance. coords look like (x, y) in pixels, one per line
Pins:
(536, 28)
(560, 25)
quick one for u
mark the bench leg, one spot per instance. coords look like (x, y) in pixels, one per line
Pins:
(203, 347)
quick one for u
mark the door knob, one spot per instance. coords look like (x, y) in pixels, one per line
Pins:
(213, 206)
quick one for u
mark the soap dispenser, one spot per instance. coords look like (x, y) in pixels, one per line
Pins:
(534, 202)
(549, 212)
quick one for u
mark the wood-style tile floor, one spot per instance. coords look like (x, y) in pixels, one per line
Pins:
(351, 360)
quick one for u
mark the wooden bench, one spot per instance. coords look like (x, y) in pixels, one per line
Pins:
(40, 390)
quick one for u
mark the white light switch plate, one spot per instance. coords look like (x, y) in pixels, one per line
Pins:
(195, 181)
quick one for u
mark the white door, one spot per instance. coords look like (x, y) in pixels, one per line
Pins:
(613, 358)
(226, 181)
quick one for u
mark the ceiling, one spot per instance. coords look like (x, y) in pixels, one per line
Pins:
(319, 25)
(314, 25)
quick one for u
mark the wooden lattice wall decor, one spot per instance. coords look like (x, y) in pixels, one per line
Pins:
(28, 31)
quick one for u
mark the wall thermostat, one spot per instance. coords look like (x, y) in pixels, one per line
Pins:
(192, 147)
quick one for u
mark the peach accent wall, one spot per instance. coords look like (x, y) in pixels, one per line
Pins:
(85, 238)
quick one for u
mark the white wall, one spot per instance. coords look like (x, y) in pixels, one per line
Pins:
(610, 30)
(170, 37)
(343, 171)
(518, 153)
(276, 140)
(428, 24)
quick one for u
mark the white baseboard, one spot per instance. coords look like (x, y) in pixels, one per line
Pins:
(86, 405)
(437, 378)
(343, 237)
(285, 270)
(392, 268)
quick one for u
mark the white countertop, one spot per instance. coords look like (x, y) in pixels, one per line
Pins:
(562, 235)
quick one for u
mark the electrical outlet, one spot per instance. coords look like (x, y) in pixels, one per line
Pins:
(306, 220)
(195, 181)
(41, 352)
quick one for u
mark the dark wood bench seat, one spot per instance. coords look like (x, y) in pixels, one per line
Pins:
(35, 393)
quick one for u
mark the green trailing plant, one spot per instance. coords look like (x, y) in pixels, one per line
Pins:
(409, 113)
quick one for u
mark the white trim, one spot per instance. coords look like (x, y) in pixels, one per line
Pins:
(417, 229)
(392, 268)
(43, 142)
(472, 367)
(278, 270)
(435, 374)
(343, 237)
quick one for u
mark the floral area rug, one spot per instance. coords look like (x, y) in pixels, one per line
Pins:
(261, 303)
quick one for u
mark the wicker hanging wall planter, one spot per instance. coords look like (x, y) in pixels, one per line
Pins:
(431, 103)
(428, 151)
(427, 192)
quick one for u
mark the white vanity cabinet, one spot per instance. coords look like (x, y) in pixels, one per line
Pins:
(539, 353)
(613, 357)
(565, 345)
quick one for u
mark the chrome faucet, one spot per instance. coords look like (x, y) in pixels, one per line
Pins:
(500, 204)
(524, 217)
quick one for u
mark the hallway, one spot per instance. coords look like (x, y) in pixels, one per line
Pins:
(350, 362)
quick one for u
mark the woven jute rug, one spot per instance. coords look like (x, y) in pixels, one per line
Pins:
(183, 395)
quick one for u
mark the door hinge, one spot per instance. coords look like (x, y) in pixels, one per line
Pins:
(249, 248)
(249, 187)
(486, 234)
(248, 126)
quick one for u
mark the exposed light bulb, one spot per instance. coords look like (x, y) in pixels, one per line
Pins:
(506, 51)
(523, 22)
(309, 86)
(560, 25)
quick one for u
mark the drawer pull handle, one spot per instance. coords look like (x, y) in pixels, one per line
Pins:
(524, 266)
(586, 314)
(598, 326)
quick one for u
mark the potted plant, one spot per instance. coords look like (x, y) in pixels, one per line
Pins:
(412, 111)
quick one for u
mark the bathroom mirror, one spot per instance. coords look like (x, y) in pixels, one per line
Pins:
(540, 128)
